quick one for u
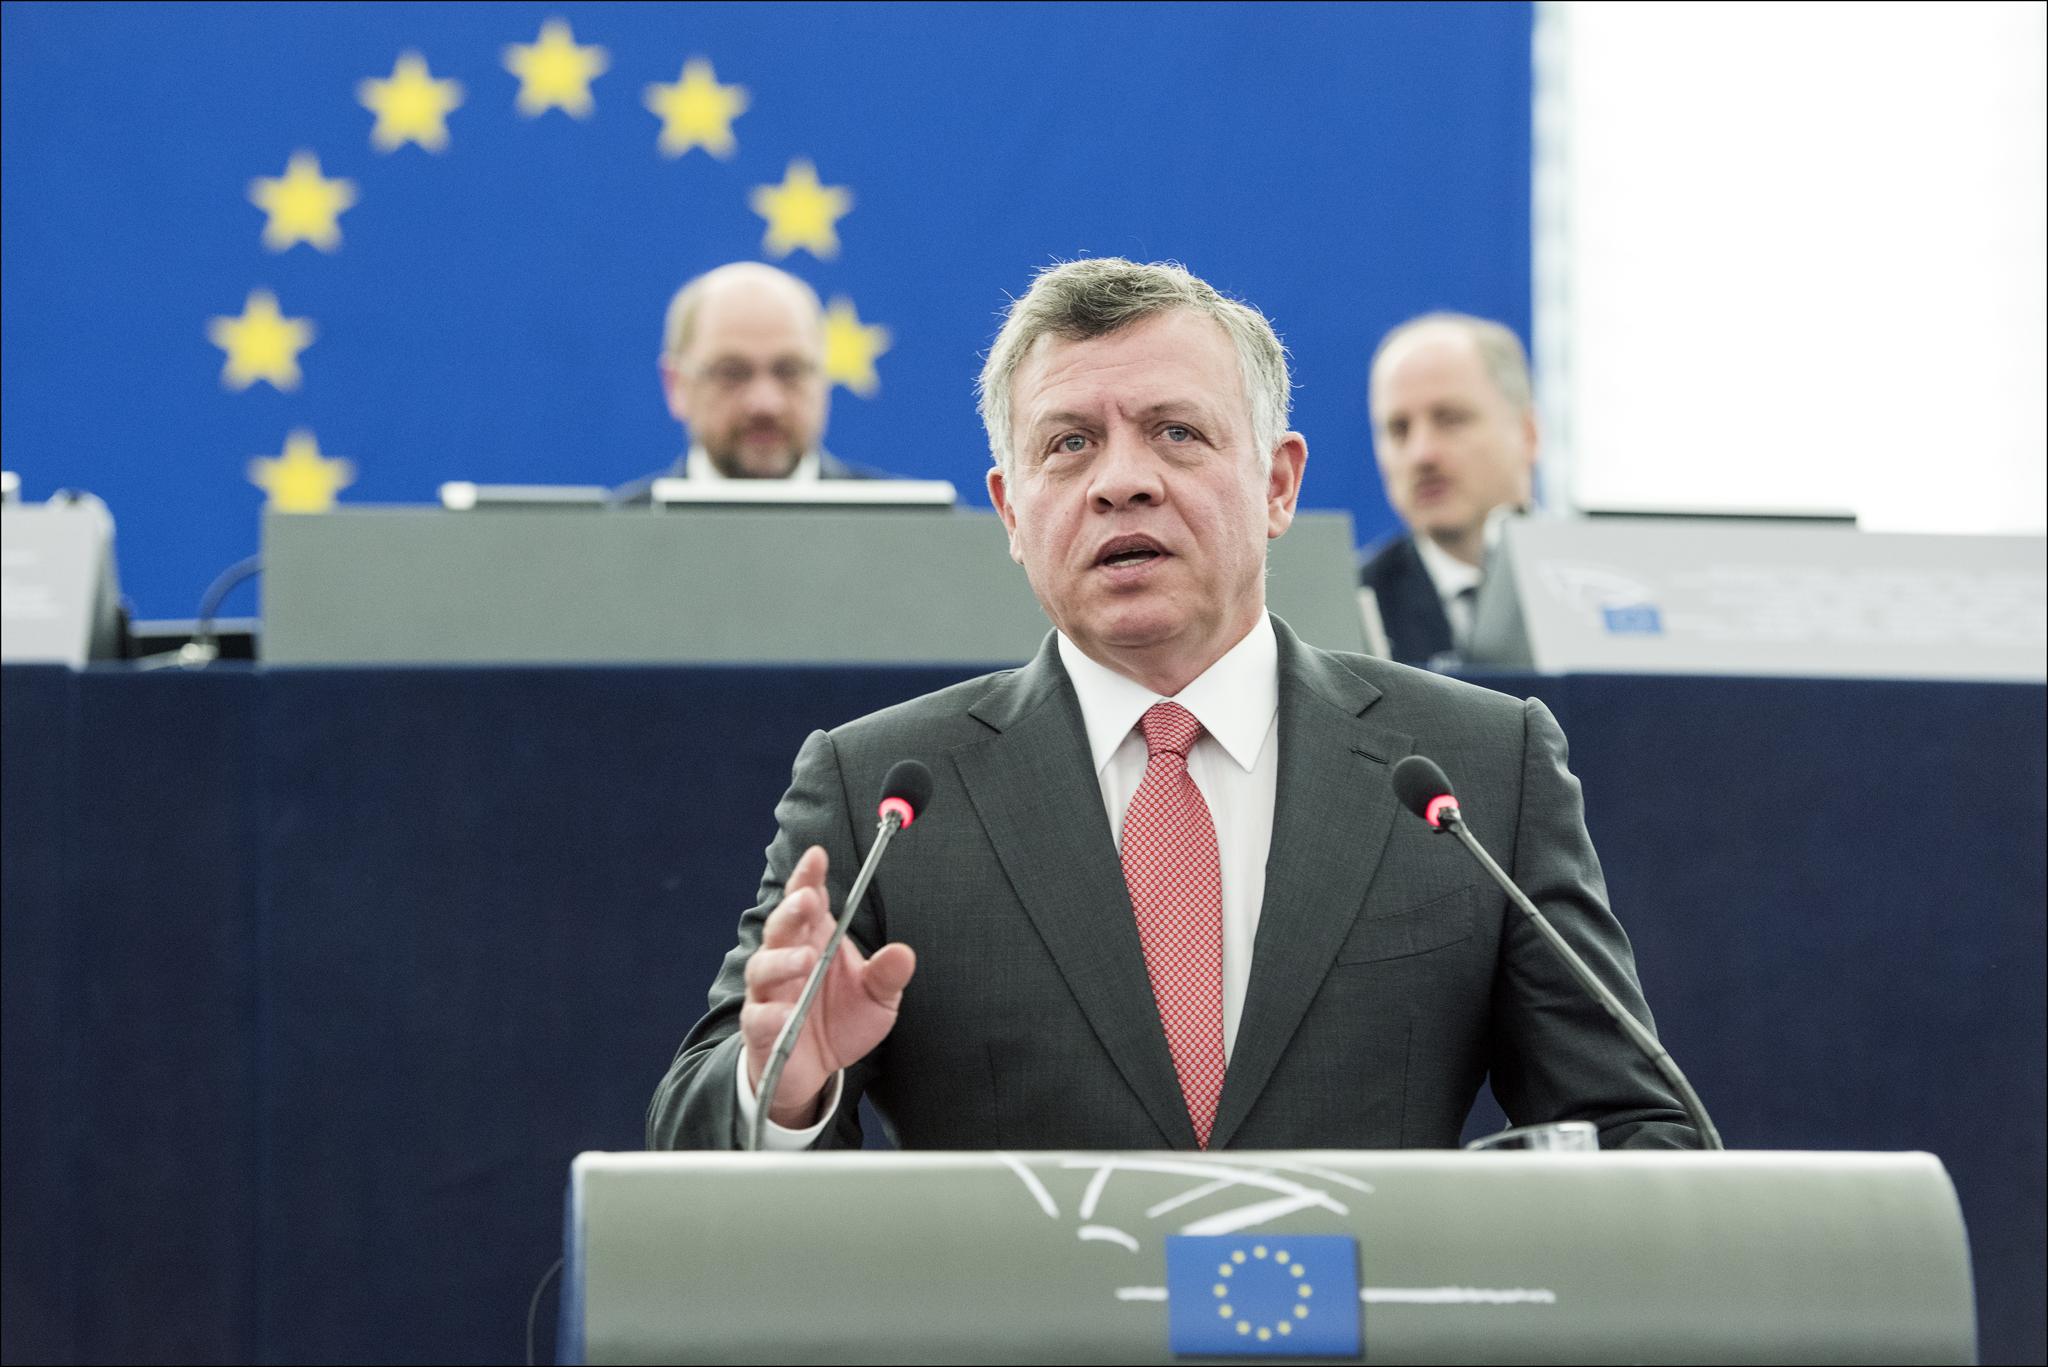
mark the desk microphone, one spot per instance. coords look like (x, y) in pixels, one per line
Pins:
(906, 792)
(1424, 790)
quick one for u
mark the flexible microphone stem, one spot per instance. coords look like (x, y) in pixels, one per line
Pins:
(1452, 821)
(792, 1028)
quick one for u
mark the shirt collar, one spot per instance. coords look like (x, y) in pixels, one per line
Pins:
(1234, 699)
(1450, 575)
(697, 465)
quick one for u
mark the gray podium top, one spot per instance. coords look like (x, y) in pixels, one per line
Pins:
(579, 585)
(1462, 1257)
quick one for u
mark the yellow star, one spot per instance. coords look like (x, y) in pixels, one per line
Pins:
(262, 344)
(801, 212)
(554, 73)
(301, 480)
(302, 205)
(696, 111)
(851, 347)
(411, 106)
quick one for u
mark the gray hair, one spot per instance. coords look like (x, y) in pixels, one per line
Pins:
(679, 326)
(1500, 351)
(1079, 300)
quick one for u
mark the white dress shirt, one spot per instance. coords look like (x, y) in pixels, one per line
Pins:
(1456, 583)
(1235, 763)
(698, 466)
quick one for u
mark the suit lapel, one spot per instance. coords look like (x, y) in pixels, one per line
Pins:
(1040, 803)
(1332, 813)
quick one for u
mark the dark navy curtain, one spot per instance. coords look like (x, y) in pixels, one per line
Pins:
(316, 980)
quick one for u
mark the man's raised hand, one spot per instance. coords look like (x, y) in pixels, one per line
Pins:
(856, 1005)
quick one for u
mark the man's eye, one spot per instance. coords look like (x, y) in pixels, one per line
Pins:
(1073, 442)
(1179, 433)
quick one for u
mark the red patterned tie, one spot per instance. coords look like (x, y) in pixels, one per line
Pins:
(1176, 887)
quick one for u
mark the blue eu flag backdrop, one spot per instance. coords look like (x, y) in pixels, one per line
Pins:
(295, 253)
(1291, 1294)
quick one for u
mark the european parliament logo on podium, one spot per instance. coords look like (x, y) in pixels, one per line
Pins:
(1291, 1294)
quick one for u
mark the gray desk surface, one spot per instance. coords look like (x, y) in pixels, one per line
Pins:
(1674, 596)
(428, 586)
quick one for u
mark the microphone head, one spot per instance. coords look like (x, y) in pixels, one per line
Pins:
(907, 790)
(1423, 788)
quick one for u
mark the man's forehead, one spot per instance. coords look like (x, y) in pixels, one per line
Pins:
(1168, 361)
(1424, 365)
(753, 311)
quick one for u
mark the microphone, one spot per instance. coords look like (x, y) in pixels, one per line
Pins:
(906, 792)
(1423, 790)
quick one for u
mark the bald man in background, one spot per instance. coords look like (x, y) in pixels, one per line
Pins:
(1454, 430)
(742, 367)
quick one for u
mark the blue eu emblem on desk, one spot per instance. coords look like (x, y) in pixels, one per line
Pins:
(1262, 1293)
(1636, 619)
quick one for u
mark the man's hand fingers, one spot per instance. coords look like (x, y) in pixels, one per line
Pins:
(888, 973)
(800, 918)
(761, 1022)
(769, 969)
(804, 913)
(810, 870)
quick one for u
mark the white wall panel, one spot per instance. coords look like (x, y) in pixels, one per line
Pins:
(1791, 255)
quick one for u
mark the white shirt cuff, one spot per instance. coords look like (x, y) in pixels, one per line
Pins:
(777, 1139)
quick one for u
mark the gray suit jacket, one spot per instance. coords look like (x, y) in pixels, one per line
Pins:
(1388, 978)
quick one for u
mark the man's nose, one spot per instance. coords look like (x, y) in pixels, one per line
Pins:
(1127, 473)
(1425, 445)
(764, 393)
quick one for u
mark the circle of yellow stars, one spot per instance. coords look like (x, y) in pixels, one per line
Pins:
(1281, 1263)
(412, 105)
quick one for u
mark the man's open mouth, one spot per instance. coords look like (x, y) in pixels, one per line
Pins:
(1126, 551)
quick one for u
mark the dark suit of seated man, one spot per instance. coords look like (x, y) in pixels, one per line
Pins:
(1412, 610)
(742, 367)
(1454, 431)
(1163, 896)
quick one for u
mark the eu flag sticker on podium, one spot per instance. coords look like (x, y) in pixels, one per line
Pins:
(1294, 1294)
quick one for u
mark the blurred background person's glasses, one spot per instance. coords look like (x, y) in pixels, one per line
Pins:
(733, 374)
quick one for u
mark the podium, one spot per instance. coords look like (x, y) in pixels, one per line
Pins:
(1623, 1256)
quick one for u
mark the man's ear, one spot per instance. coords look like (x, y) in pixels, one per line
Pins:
(674, 389)
(1283, 483)
(999, 494)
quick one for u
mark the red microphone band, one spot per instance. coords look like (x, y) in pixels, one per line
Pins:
(904, 812)
(1434, 811)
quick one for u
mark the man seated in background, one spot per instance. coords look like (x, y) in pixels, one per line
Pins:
(1454, 428)
(742, 366)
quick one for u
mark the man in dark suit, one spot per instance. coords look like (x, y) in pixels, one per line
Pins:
(1163, 895)
(1454, 430)
(742, 367)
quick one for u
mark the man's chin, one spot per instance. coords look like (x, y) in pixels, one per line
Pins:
(756, 465)
(1137, 625)
(1443, 519)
